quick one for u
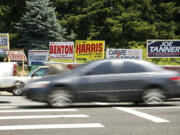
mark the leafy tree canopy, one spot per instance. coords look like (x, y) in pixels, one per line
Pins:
(121, 23)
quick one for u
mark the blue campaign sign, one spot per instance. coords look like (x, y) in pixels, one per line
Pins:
(37, 63)
(3, 41)
(163, 48)
(4, 38)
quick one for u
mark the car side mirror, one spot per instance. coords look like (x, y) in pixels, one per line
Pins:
(32, 75)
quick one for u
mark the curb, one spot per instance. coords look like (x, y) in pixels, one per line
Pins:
(5, 93)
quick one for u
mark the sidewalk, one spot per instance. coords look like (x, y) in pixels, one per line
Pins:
(5, 93)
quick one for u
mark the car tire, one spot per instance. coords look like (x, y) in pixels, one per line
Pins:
(60, 97)
(16, 91)
(137, 102)
(154, 96)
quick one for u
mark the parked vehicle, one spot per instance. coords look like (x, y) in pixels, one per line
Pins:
(109, 80)
(13, 84)
(8, 69)
(37, 73)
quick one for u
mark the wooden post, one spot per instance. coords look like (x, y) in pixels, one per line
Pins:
(8, 46)
(23, 72)
(23, 60)
(74, 58)
(8, 57)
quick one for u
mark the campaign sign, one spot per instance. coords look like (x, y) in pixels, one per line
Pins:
(163, 48)
(4, 39)
(17, 55)
(124, 53)
(3, 51)
(61, 50)
(37, 57)
(89, 49)
(4, 43)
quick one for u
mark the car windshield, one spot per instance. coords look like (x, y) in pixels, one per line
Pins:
(32, 71)
(80, 68)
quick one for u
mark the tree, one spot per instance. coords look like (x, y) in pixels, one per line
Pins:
(10, 13)
(39, 26)
(120, 22)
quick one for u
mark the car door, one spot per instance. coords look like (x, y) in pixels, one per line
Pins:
(95, 84)
(128, 80)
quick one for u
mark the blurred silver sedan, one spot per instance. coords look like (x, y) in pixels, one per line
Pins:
(108, 80)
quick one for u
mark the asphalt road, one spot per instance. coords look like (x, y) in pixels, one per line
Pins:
(19, 116)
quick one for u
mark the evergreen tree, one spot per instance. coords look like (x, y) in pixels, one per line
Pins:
(121, 23)
(39, 26)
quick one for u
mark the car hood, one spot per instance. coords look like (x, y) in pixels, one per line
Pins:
(54, 78)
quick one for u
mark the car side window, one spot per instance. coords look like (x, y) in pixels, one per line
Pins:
(103, 68)
(42, 72)
(129, 67)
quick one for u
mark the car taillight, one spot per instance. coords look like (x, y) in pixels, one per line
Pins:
(15, 70)
(175, 78)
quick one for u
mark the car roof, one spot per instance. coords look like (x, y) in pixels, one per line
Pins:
(43, 67)
(138, 61)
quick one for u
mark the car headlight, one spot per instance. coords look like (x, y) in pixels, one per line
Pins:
(41, 84)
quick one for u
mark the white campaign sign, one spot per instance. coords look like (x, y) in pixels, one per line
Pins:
(124, 53)
(38, 56)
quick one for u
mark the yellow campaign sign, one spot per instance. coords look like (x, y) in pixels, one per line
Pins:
(89, 49)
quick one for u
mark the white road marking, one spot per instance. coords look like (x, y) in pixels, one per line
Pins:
(37, 110)
(141, 114)
(5, 93)
(5, 107)
(165, 107)
(24, 104)
(43, 116)
(137, 108)
(52, 126)
(101, 103)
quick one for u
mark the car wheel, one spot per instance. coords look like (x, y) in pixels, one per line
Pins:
(137, 102)
(60, 98)
(16, 91)
(154, 96)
